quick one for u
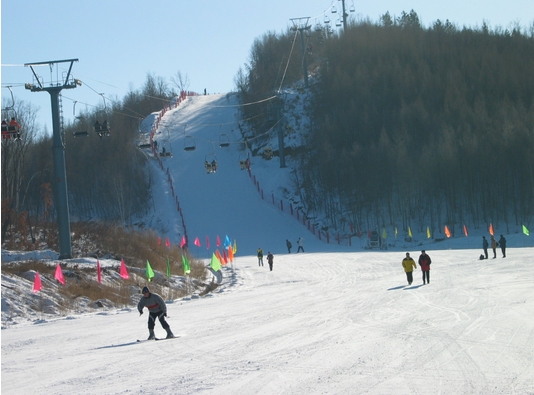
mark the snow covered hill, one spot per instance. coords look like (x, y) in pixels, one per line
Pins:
(334, 320)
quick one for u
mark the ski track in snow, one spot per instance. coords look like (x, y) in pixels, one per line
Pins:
(333, 320)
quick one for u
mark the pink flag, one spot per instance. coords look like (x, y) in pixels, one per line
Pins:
(197, 242)
(183, 242)
(123, 272)
(59, 275)
(167, 243)
(159, 241)
(37, 285)
(98, 272)
(207, 242)
(218, 241)
(225, 258)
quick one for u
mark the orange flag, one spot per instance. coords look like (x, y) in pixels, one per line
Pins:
(465, 231)
(491, 230)
(219, 257)
(447, 232)
(231, 253)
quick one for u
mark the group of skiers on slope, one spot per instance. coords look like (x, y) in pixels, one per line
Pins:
(494, 244)
(409, 265)
(270, 256)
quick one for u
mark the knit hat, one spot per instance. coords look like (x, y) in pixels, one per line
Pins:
(145, 290)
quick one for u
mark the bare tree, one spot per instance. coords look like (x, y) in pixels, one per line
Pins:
(180, 81)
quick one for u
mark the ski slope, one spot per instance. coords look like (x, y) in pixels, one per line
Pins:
(332, 320)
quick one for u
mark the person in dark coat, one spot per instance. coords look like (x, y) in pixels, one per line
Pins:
(494, 246)
(157, 309)
(260, 257)
(270, 259)
(288, 245)
(502, 244)
(485, 246)
(424, 263)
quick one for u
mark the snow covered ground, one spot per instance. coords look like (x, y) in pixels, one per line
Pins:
(333, 320)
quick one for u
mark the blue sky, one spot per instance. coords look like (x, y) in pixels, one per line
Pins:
(118, 42)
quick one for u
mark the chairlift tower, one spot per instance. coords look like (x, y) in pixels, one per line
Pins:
(58, 148)
(301, 24)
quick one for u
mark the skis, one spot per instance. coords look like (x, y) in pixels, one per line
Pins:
(157, 338)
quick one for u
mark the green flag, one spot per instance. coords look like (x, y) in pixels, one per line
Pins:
(215, 263)
(525, 230)
(149, 271)
(185, 263)
(168, 268)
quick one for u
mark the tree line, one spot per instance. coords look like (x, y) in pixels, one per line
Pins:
(412, 125)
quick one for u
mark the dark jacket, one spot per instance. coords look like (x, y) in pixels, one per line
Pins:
(270, 258)
(154, 303)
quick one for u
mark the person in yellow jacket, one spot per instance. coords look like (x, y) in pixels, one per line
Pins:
(409, 264)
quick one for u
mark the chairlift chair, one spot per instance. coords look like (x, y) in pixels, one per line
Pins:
(166, 150)
(268, 153)
(189, 143)
(224, 140)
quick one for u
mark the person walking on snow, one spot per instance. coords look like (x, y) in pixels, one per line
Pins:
(409, 264)
(270, 259)
(424, 264)
(300, 242)
(157, 309)
(502, 244)
(494, 246)
(289, 246)
(260, 257)
(485, 246)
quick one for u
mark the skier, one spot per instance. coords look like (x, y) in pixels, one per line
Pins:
(157, 309)
(502, 244)
(300, 242)
(424, 264)
(409, 264)
(270, 259)
(260, 257)
(289, 246)
(485, 246)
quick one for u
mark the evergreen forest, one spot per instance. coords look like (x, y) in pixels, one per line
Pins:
(411, 126)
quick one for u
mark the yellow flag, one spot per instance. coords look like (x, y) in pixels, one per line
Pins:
(410, 231)
(428, 236)
(396, 232)
(235, 247)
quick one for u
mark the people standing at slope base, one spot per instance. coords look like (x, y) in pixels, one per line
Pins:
(424, 264)
(157, 309)
(300, 242)
(502, 244)
(494, 246)
(409, 264)
(289, 246)
(485, 246)
(270, 259)
(260, 257)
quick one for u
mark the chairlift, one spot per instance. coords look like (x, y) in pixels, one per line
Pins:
(326, 20)
(334, 9)
(244, 161)
(82, 133)
(210, 163)
(103, 129)
(352, 8)
(268, 153)
(189, 143)
(224, 140)
(11, 129)
(166, 150)
(338, 22)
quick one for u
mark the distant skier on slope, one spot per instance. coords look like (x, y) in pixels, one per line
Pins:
(300, 242)
(424, 264)
(260, 257)
(157, 309)
(289, 246)
(270, 259)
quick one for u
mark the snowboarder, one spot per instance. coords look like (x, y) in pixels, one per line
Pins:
(424, 264)
(157, 309)
(300, 242)
(502, 244)
(270, 259)
(485, 246)
(409, 264)
(289, 246)
(494, 246)
(260, 257)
